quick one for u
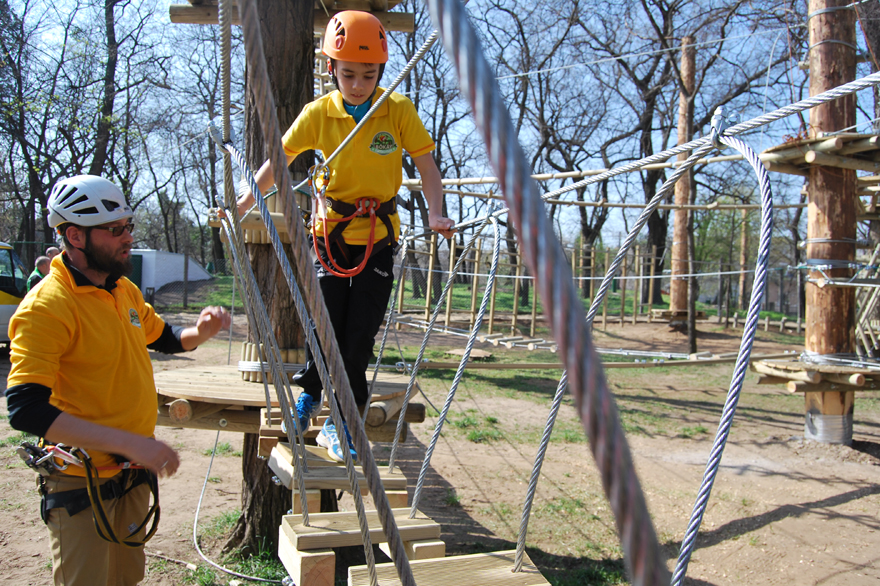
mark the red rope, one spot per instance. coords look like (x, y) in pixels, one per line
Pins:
(364, 206)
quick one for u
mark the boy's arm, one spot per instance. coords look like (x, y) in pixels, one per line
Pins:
(433, 190)
(265, 178)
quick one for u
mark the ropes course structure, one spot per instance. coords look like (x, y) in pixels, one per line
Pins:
(569, 322)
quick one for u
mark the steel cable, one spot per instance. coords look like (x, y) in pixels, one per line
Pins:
(459, 373)
(546, 260)
(415, 369)
(308, 278)
(742, 362)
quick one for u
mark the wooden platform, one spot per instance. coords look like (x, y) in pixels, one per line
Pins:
(482, 569)
(326, 476)
(328, 530)
(216, 398)
(806, 377)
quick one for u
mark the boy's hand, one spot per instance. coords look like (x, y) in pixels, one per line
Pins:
(441, 224)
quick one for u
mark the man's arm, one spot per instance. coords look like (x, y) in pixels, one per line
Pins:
(153, 454)
(432, 187)
(210, 322)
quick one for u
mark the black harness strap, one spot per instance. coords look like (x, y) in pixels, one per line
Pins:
(383, 212)
(77, 501)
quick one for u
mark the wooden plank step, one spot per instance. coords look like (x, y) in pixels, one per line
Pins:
(335, 477)
(480, 569)
(342, 529)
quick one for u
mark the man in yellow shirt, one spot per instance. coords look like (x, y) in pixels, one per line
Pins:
(356, 256)
(81, 376)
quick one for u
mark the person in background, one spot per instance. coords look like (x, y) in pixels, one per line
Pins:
(81, 376)
(52, 252)
(41, 269)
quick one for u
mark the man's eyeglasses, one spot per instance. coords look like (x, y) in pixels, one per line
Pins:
(116, 231)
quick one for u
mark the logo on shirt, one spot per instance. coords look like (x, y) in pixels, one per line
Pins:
(383, 144)
(134, 318)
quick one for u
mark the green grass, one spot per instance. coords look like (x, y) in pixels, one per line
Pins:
(690, 432)
(452, 499)
(14, 441)
(219, 525)
(223, 449)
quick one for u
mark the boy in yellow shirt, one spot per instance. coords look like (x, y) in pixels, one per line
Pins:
(356, 254)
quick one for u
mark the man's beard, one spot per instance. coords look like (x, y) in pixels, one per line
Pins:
(104, 262)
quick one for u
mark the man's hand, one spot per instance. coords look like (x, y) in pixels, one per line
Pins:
(209, 324)
(211, 321)
(441, 224)
(156, 456)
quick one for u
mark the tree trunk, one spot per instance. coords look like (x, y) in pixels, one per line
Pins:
(102, 139)
(286, 27)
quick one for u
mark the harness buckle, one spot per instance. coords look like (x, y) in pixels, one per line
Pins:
(38, 459)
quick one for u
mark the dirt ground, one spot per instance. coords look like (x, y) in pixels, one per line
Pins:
(783, 510)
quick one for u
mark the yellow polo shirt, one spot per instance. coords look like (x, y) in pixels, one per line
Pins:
(89, 346)
(371, 165)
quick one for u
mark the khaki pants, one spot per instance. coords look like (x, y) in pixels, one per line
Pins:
(79, 556)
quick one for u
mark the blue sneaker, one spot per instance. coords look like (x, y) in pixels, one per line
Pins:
(328, 438)
(306, 408)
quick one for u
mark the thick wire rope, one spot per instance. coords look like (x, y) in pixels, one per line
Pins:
(742, 362)
(415, 370)
(302, 312)
(195, 533)
(225, 20)
(301, 253)
(546, 259)
(459, 373)
(591, 314)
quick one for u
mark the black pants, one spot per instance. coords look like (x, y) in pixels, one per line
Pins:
(357, 307)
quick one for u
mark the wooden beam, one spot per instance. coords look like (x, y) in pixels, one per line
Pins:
(343, 530)
(253, 221)
(810, 376)
(786, 168)
(860, 146)
(785, 155)
(208, 14)
(826, 160)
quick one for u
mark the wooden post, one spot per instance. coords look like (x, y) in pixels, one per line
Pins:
(651, 282)
(492, 303)
(429, 280)
(516, 289)
(743, 260)
(534, 304)
(401, 279)
(605, 300)
(678, 286)
(592, 273)
(831, 226)
(186, 281)
(623, 291)
(585, 285)
(720, 288)
(452, 248)
(637, 287)
(475, 281)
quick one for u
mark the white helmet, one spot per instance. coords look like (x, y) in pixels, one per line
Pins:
(87, 200)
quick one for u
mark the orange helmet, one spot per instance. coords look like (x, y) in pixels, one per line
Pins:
(356, 36)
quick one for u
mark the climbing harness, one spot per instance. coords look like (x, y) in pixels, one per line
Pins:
(50, 459)
(365, 206)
